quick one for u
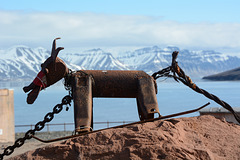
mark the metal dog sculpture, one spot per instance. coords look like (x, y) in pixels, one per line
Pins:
(86, 84)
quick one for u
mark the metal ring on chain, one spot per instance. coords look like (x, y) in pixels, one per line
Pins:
(9, 150)
(39, 126)
(66, 100)
(19, 142)
(29, 134)
(58, 108)
(49, 117)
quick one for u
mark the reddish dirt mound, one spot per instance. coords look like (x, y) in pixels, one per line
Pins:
(203, 137)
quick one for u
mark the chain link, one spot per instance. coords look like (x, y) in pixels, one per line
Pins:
(38, 127)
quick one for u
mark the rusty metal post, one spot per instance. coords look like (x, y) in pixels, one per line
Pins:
(82, 97)
(147, 99)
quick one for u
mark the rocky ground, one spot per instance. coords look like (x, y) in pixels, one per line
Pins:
(203, 137)
(32, 143)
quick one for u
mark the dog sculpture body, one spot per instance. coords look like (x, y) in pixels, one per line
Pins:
(86, 84)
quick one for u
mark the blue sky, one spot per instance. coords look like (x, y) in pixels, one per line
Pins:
(178, 10)
(107, 23)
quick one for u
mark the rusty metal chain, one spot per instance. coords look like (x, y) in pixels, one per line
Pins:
(38, 127)
(68, 81)
(162, 73)
(179, 75)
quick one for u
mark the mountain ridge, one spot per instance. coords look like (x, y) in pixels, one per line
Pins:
(23, 63)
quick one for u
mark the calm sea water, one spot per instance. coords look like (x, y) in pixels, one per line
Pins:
(172, 97)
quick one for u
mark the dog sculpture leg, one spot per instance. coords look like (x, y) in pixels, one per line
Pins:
(83, 103)
(146, 98)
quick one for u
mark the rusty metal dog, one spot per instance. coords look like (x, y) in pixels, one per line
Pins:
(86, 84)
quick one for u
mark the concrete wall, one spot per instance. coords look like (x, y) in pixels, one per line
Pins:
(7, 126)
(227, 116)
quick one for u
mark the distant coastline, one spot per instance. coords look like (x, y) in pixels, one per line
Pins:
(230, 75)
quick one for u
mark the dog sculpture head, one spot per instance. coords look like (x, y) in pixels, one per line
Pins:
(53, 69)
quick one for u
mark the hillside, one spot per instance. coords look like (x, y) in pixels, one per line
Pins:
(231, 75)
(191, 138)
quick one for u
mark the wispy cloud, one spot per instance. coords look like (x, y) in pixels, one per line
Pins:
(91, 29)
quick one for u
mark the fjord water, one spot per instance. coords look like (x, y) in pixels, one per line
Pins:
(172, 97)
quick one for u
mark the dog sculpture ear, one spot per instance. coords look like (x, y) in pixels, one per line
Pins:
(53, 69)
(55, 50)
(54, 54)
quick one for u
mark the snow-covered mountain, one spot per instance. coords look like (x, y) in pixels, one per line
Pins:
(150, 59)
(194, 63)
(21, 62)
(95, 59)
